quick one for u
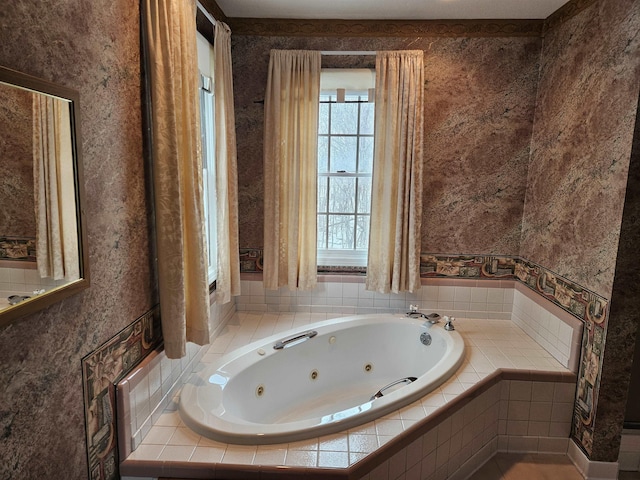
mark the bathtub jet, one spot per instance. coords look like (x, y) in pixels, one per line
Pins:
(350, 371)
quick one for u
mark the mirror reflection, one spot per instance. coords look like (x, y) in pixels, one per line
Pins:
(40, 218)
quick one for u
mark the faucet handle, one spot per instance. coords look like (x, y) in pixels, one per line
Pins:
(413, 308)
(449, 324)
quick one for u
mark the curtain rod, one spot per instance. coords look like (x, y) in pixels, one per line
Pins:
(206, 13)
(340, 52)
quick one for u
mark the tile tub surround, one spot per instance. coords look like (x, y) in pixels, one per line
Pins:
(346, 295)
(510, 394)
(556, 330)
(559, 332)
(147, 390)
(24, 277)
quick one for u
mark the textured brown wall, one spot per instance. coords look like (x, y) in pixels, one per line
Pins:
(581, 145)
(479, 94)
(17, 217)
(581, 149)
(93, 47)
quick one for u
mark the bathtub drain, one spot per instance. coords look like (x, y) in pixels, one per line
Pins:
(260, 390)
(314, 374)
(368, 367)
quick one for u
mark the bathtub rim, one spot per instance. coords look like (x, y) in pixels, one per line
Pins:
(249, 433)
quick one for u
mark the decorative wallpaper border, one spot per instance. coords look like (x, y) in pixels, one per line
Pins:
(20, 249)
(101, 370)
(583, 304)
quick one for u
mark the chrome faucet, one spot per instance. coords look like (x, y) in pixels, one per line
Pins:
(415, 313)
(449, 323)
(15, 299)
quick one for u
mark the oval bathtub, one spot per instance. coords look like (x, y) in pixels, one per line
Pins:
(328, 377)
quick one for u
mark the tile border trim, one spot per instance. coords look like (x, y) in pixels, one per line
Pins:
(18, 249)
(101, 370)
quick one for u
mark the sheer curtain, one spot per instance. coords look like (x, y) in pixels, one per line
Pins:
(396, 203)
(290, 163)
(228, 275)
(170, 37)
(55, 203)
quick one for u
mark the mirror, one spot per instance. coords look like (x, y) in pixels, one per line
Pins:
(43, 247)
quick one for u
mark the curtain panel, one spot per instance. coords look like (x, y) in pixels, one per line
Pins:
(290, 164)
(170, 38)
(55, 206)
(228, 275)
(396, 203)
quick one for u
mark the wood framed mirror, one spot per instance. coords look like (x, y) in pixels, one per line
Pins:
(43, 239)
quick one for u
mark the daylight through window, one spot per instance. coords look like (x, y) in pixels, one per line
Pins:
(345, 163)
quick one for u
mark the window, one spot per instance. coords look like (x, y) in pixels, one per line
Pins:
(207, 135)
(345, 162)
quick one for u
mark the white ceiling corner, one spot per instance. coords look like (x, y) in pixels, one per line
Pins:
(391, 9)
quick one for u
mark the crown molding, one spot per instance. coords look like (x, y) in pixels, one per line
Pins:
(385, 28)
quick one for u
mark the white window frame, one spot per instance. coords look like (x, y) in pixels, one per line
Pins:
(356, 82)
(208, 142)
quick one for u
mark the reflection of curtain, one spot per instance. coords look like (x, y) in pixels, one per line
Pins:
(55, 203)
(396, 204)
(228, 274)
(290, 158)
(170, 36)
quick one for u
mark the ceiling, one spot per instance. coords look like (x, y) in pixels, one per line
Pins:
(391, 9)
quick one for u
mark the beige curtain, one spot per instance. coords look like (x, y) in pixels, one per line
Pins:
(170, 37)
(290, 163)
(55, 203)
(396, 203)
(228, 275)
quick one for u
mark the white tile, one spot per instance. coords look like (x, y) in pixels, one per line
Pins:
(184, 436)
(239, 454)
(495, 295)
(207, 454)
(159, 435)
(446, 294)
(462, 294)
(176, 453)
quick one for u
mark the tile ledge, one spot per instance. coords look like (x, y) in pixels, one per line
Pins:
(197, 470)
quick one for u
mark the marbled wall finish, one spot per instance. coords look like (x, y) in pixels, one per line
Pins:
(93, 47)
(17, 217)
(581, 148)
(581, 144)
(622, 331)
(479, 96)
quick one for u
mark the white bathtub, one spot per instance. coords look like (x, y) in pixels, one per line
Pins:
(318, 385)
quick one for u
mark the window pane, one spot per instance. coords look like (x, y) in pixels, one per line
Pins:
(365, 164)
(323, 119)
(344, 118)
(343, 154)
(362, 232)
(341, 228)
(322, 194)
(364, 195)
(342, 195)
(323, 154)
(366, 118)
(322, 231)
